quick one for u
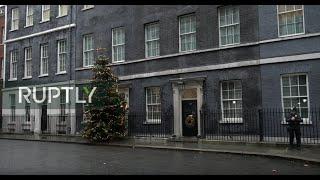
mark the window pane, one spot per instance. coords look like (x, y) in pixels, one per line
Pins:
(303, 90)
(287, 103)
(286, 91)
(285, 81)
(238, 94)
(294, 80)
(303, 102)
(294, 91)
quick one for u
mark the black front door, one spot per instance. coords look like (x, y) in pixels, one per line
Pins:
(44, 116)
(189, 118)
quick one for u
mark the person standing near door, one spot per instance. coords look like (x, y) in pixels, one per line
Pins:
(294, 121)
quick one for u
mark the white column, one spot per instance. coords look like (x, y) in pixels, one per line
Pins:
(176, 108)
(199, 105)
(37, 121)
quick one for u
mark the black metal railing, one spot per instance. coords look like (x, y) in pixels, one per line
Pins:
(18, 124)
(57, 124)
(139, 126)
(257, 125)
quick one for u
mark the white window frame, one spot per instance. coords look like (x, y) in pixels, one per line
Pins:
(122, 44)
(43, 9)
(59, 71)
(152, 121)
(14, 19)
(295, 34)
(42, 58)
(60, 12)
(305, 120)
(29, 23)
(230, 120)
(84, 51)
(85, 7)
(26, 61)
(195, 32)
(234, 24)
(151, 40)
(13, 76)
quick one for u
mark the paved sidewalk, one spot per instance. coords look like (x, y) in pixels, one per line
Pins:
(310, 153)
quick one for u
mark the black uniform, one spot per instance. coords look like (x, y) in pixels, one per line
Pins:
(294, 121)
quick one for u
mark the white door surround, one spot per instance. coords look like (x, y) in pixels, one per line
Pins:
(178, 86)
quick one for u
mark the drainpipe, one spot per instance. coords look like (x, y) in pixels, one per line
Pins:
(4, 48)
(72, 130)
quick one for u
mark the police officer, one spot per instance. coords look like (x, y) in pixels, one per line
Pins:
(294, 121)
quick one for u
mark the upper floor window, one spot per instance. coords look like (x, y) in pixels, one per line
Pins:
(231, 101)
(28, 62)
(291, 20)
(88, 50)
(62, 56)
(29, 15)
(13, 64)
(63, 10)
(153, 105)
(88, 6)
(229, 25)
(187, 32)
(152, 40)
(15, 19)
(118, 44)
(295, 94)
(44, 59)
(45, 13)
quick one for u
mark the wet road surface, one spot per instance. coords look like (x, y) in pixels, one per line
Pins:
(32, 157)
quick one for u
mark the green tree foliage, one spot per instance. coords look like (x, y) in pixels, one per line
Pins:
(105, 116)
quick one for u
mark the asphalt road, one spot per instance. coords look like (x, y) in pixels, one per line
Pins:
(31, 157)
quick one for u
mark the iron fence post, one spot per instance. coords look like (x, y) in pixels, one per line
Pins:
(260, 117)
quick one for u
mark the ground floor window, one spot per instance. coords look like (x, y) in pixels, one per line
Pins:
(295, 94)
(231, 101)
(153, 105)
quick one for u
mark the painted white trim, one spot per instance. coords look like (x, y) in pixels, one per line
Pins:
(146, 41)
(195, 19)
(305, 120)
(12, 28)
(83, 9)
(61, 72)
(225, 45)
(43, 75)
(41, 33)
(87, 50)
(4, 47)
(42, 10)
(225, 66)
(27, 11)
(124, 44)
(84, 68)
(229, 120)
(289, 35)
(59, 11)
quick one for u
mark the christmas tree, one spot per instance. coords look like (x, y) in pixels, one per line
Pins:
(105, 115)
